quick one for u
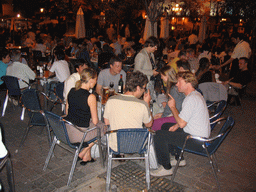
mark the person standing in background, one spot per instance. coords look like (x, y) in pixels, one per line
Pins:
(145, 60)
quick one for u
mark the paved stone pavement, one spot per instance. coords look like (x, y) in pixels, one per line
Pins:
(236, 157)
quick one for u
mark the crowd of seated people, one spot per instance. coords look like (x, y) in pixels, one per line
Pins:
(166, 74)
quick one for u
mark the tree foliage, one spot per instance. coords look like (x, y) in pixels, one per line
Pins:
(245, 9)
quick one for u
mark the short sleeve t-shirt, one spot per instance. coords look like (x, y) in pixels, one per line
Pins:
(125, 111)
(195, 113)
(105, 77)
(61, 70)
(244, 77)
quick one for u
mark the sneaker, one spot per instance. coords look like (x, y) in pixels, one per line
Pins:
(174, 162)
(161, 171)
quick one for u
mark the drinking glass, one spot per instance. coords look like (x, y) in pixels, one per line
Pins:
(111, 84)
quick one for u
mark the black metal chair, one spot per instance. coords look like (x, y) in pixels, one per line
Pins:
(61, 138)
(13, 90)
(206, 146)
(30, 101)
(237, 98)
(58, 92)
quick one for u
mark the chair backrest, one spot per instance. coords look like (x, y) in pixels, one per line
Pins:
(59, 90)
(132, 140)
(12, 84)
(226, 128)
(219, 109)
(59, 128)
(30, 99)
(213, 91)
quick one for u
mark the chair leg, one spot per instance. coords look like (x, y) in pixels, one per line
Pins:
(48, 129)
(215, 162)
(177, 165)
(23, 138)
(101, 153)
(50, 153)
(5, 103)
(73, 167)
(214, 172)
(49, 136)
(238, 102)
(22, 114)
(100, 148)
(10, 175)
(109, 172)
(147, 171)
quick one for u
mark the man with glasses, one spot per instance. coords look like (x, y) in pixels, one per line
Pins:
(128, 110)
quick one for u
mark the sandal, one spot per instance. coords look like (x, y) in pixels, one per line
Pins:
(85, 162)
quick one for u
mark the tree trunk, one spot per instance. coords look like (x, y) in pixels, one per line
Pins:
(152, 27)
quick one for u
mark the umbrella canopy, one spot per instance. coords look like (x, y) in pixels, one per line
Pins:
(80, 27)
(202, 29)
(148, 31)
(164, 28)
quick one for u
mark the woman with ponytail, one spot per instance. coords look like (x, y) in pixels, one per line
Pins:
(81, 110)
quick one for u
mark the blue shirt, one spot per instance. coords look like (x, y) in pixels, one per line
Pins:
(3, 67)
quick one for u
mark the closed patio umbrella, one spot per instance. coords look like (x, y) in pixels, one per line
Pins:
(164, 28)
(202, 29)
(148, 31)
(80, 27)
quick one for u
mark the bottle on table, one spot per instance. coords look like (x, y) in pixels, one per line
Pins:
(46, 71)
(121, 85)
(38, 70)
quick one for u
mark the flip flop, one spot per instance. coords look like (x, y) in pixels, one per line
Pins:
(85, 162)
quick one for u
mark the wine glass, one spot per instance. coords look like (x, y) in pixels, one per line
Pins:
(111, 84)
(111, 90)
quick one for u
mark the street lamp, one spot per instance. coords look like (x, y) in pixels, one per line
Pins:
(41, 10)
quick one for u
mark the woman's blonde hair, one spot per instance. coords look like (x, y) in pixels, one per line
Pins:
(85, 76)
(171, 74)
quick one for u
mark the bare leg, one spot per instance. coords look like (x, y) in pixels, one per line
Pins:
(85, 154)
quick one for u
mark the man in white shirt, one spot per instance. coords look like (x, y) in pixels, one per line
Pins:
(60, 67)
(116, 46)
(242, 49)
(192, 120)
(70, 82)
(20, 70)
(192, 59)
